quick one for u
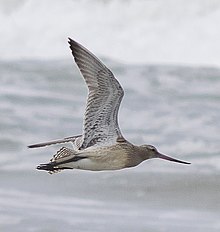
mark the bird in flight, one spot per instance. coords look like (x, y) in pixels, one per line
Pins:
(101, 145)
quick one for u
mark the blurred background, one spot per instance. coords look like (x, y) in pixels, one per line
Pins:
(166, 55)
(155, 31)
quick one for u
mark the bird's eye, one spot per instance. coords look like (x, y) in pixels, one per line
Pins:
(152, 148)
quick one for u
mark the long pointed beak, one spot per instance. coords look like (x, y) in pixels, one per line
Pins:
(165, 157)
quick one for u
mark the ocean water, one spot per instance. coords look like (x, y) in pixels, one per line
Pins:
(175, 108)
(170, 31)
(166, 55)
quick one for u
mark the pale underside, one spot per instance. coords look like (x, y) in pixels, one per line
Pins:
(97, 158)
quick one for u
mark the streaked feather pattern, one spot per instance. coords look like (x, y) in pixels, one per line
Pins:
(104, 98)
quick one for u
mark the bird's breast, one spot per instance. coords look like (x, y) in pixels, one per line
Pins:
(103, 159)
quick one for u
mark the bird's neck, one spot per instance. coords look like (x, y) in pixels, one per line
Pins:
(143, 153)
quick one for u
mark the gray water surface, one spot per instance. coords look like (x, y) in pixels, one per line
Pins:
(177, 109)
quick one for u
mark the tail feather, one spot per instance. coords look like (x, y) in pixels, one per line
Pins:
(65, 140)
(62, 154)
(56, 164)
(51, 168)
(46, 167)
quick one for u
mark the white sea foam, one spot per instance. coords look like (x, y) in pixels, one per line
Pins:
(185, 32)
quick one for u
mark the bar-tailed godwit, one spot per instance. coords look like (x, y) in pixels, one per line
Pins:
(101, 145)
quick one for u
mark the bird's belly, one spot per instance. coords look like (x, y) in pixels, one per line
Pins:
(95, 164)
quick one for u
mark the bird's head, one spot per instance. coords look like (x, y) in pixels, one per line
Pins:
(151, 152)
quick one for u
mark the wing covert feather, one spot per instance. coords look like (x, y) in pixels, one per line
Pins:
(105, 94)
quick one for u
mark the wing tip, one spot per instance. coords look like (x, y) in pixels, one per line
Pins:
(70, 40)
(33, 146)
(74, 46)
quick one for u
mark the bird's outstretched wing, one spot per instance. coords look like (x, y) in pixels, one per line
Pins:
(72, 139)
(105, 94)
